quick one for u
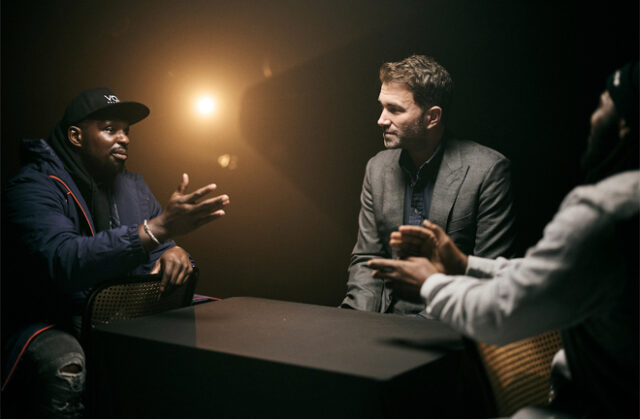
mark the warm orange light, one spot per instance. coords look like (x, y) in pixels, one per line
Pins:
(206, 105)
(228, 161)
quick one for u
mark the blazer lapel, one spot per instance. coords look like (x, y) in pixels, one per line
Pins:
(445, 191)
(392, 213)
(393, 202)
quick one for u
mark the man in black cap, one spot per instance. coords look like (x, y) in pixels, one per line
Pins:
(580, 278)
(72, 218)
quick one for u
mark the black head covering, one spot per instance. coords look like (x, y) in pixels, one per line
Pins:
(622, 85)
(100, 103)
(610, 155)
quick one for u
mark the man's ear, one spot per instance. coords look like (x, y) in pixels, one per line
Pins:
(74, 134)
(433, 117)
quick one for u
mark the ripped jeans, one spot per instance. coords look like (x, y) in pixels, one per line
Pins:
(50, 379)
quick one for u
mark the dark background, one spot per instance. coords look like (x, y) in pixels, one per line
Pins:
(296, 83)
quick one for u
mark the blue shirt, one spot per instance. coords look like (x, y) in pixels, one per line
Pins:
(419, 186)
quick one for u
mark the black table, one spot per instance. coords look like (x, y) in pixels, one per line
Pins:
(252, 357)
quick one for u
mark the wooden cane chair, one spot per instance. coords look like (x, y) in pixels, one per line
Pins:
(520, 373)
(123, 299)
(127, 298)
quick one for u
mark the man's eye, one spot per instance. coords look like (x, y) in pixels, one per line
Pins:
(109, 129)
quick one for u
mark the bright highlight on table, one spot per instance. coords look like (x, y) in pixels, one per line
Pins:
(206, 106)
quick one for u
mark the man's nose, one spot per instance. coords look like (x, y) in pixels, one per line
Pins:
(123, 138)
(383, 121)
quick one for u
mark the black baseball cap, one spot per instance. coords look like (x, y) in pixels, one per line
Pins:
(102, 103)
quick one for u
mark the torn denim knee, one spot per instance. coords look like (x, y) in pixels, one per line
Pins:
(62, 395)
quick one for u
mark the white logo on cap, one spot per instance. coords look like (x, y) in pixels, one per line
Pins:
(111, 99)
(616, 79)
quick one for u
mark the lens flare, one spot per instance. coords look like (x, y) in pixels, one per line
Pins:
(228, 161)
(206, 105)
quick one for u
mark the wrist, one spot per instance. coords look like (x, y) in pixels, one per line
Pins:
(149, 233)
(461, 265)
(152, 234)
(156, 228)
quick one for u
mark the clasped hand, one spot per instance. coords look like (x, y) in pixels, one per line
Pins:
(422, 252)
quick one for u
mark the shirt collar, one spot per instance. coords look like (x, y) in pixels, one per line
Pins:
(417, 174)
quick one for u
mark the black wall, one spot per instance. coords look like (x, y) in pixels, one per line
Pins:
(298, 87)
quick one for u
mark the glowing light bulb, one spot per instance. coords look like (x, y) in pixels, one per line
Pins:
(206, 105)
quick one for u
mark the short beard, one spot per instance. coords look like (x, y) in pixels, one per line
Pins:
(599, 145)
(413, 136)
(102, 173)
(608, 154)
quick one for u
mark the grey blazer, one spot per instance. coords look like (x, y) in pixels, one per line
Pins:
(471, 200)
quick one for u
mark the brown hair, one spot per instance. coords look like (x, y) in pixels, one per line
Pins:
(429, 82)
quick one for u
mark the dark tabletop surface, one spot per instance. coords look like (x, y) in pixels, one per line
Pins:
(370, 345)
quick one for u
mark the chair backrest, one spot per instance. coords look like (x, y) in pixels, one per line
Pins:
(131, 297)
(520, 373)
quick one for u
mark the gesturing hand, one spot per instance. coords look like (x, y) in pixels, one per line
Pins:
(175, 267)
(184, 213)
(405, 277)
(431, 242)
(413, 240)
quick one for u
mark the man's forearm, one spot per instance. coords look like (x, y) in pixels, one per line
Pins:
(363, 291)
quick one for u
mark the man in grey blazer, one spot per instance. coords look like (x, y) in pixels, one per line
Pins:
(461, 186)
(581, 278)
